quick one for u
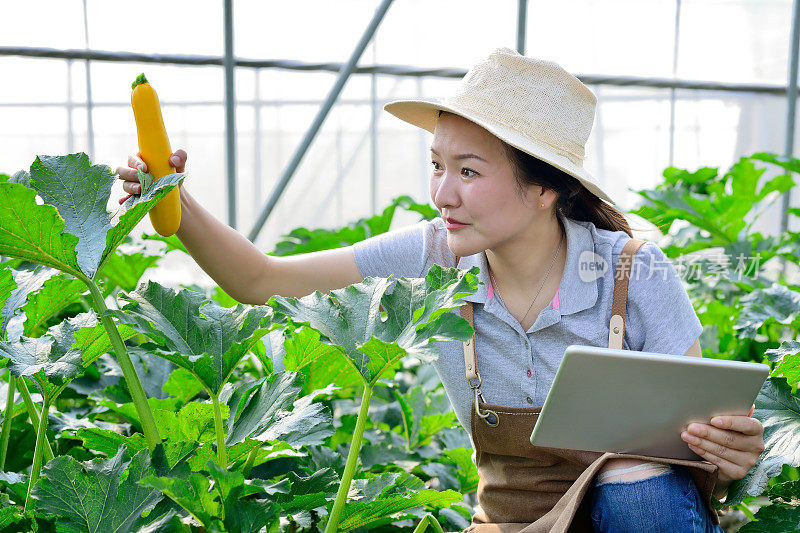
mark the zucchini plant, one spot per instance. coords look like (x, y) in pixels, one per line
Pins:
(189, 427)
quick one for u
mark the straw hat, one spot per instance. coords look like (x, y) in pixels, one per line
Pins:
(532, 104)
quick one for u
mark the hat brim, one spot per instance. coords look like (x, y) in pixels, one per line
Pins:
(425, 114)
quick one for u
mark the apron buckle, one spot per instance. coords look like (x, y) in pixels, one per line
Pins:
(490, 417)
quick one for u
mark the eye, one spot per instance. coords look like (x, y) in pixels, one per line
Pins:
(436, 166)
(465, 170)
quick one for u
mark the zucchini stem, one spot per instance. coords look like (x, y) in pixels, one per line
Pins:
(41, 439)
(222, 453)
(7, 419)
(33, 414)
(350, 466)
(128, 371)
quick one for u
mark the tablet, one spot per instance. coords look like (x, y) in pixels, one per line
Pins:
(609, 400)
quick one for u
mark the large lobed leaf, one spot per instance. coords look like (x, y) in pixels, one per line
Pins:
(96, 496)
(200, 335)
(72, 230)
(220, 506)
(779, 412)
(270, 410)
(416, 316)
(386, 495)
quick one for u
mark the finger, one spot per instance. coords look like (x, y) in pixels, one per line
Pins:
(742, 424)
(136, 161)
(727, 469)
(128, 174)
(131, 188)
(178, 160)
(744, 458)
(726, 437)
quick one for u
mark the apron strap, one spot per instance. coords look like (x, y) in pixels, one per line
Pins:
(616, 327)
(470, 359)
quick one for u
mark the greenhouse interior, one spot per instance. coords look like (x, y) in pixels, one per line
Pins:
(307, 332)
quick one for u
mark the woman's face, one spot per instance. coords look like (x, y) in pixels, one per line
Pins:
(472, 182)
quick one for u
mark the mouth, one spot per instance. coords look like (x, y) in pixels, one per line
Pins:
(452, 223)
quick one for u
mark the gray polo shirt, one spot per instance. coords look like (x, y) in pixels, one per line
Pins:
(517, 367)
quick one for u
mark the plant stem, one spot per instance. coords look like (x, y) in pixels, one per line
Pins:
(350, 466)
(33, 414)
(7, 419)
(41, 439)
(251, 459)
(222, 454)
(131, 377)
(428, 520)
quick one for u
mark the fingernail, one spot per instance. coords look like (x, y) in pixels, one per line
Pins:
(716, 420)
(175, 160)
(140, 167)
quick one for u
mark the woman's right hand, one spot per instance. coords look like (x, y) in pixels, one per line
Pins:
(131, 177)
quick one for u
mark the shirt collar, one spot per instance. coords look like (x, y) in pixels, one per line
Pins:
(575, 294)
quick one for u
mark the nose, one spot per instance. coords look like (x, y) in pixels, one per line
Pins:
(444, 190)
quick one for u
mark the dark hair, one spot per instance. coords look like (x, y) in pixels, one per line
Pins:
(574, 201)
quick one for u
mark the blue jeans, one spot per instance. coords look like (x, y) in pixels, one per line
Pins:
(667, 503)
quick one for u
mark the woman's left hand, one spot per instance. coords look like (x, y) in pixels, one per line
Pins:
(733, 443)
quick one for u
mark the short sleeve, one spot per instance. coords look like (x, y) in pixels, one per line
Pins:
(404, 252)
(660, 317)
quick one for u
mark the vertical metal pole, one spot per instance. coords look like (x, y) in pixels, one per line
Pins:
(347, 69)
(522, 23)
(257, 143)
(70, 127)
(373, 131)
(791, 94)
(676, 41)
(89, 105)
(230, 114)
(424, 151)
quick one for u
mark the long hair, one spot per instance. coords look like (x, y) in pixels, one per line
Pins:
(583, 205)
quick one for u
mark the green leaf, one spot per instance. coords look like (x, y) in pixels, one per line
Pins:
(416, 317)
(101, 495)
(466, 471)
(193, 423)
(49, 360)
(58, 293)
(218, 508)
(788, 357)
(779, 413)
(319, 363)
(777, 304)
(14, 288)
(389, 494)
(34, 232)
(172, 242)
(80, 192)
(303, 240)
(270, 410)
(200, 335)
(182, 385)
(124, 270)
(774, 519)
(71, 231)
(108, 442)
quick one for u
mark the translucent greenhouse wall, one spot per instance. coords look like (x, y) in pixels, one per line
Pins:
(43, 102)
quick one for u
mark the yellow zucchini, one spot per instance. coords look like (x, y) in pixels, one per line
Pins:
(155, 150)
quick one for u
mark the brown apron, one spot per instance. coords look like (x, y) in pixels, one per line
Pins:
(524, 488)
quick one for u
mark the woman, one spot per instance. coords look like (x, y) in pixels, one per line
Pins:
(515, 200)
